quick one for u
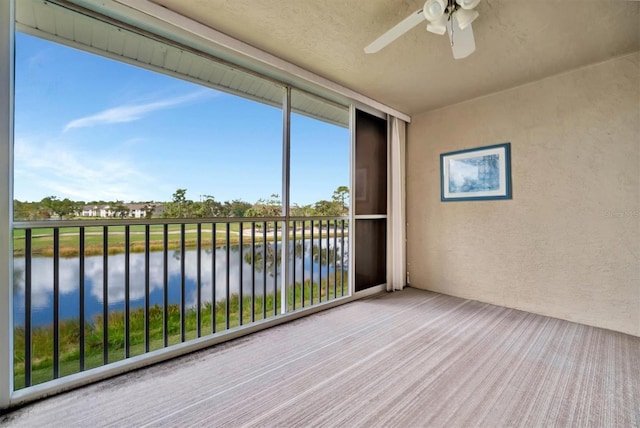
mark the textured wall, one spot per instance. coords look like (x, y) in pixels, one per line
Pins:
(568, 243)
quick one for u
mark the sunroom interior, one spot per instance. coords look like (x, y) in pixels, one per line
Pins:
(557, 78)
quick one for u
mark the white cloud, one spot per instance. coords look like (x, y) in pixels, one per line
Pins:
(45, 169)
(132, 112)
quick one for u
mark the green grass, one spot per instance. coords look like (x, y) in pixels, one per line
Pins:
(42, 239)
(69, 330)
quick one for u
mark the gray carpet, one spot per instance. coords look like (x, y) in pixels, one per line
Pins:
(410, 358)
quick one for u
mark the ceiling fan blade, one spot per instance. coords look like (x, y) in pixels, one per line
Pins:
(463, 43)
(402, 27)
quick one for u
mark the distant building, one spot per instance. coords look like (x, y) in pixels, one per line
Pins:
(90, 211)
(136, 210)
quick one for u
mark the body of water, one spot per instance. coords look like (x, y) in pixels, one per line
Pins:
(213, 270)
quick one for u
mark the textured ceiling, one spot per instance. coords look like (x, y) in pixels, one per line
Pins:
(518, 41)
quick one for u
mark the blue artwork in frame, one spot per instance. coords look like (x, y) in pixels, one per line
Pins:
(476, 174)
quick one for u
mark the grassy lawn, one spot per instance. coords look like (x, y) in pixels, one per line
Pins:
(69, 331)
(42, 239)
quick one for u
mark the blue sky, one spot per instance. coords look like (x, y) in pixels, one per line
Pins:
(89, 128)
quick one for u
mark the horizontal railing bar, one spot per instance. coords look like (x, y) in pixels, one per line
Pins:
(45, 224)
(316, 217)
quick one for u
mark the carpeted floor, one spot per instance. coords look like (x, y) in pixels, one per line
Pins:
(407, 359)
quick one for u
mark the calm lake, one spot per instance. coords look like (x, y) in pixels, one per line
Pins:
(69, 274)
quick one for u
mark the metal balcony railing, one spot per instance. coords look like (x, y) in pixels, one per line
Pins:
(90, 293)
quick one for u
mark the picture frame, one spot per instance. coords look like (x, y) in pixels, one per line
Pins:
(482, 173)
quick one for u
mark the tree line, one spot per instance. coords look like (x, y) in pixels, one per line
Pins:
(180, 206)
(52, 207)
(183, 207)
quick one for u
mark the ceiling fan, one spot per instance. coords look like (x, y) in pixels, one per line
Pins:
(451, 16)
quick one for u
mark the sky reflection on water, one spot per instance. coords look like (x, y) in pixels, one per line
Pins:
(69, 274)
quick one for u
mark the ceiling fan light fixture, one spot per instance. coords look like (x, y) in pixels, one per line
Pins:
(466, 17)
(439, 26)
(467, 4)
(434, 9)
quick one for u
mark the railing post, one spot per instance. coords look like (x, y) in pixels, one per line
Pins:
(6, 205)
(351, 225)
(286, 160)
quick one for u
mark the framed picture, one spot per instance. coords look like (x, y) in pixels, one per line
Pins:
(476, 174)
